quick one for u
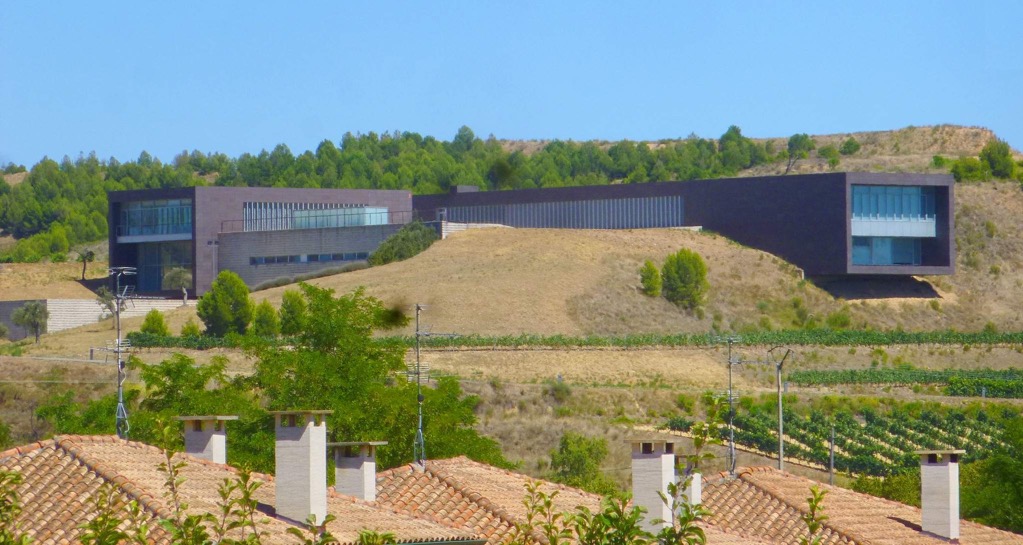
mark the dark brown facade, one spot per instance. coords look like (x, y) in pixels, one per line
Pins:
(220, 210)
(806, 219)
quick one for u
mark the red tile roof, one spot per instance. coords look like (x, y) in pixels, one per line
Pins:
(61, 476)
(767, 503)
(488, 500)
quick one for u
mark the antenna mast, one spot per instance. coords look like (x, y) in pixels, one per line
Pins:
(419, 450)
(121, 415)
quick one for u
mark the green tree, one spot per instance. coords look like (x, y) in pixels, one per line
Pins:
(293, 312)
(409, 241)
(10, 508)
(849, 147)
(800, 146)
(684, 278)
(179, 278)
(970, 169)
(32, 316)
(831, 154)
(650, 277)
(998, 158)
(265, 322)
(154, 324)
(226, 307)
(576, 462)
(86, 257)
(107, 301)
(994, 486)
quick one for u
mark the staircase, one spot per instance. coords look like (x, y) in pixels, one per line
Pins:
(71, 313)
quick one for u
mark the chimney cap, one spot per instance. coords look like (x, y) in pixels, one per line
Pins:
(939, 451)
(636, 440)
(357, 444)
(208, 418)
(299, 411)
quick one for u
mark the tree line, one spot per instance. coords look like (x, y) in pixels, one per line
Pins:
(61, 205)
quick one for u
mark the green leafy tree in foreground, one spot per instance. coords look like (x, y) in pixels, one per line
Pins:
(226, 307)
(265, 323)
(800, 146)
(410, 240)
(814, 517)
(684, 279)
(293, 312)
(10, 508)
(650, 277)
(154, 324)
(32, 316)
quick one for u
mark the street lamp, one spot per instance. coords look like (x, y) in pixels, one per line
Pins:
(121, 415)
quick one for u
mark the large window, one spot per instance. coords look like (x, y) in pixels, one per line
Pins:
(166, 217)
(885, 251)
(156, 259)
(891, 202)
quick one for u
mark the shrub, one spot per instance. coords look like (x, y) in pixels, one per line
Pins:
(938, 161)
(293, 312)
(997, 157)
(265, 322)
(970, 169)
(154, 324)
(190, 329)
(684, 279)
(577, 460)
(830, 153)
(409, 241)
(226, 307)
(650, 277)
(849, 147)
(839, 319)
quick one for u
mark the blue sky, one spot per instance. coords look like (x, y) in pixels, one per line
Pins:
(119, 78)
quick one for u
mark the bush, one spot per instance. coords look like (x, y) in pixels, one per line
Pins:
(970, 169)
(830, 153)
(650, 278)
(997, 157)
(190, 329)
(265, 322)
(576, 462)
(32, 316)
(409, 241)
(849, 147)
(154, 324)
(226, 307)
(684, 279)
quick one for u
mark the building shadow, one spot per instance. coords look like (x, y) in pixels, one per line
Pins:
(876, 287)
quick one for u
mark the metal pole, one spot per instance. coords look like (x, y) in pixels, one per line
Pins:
(731, 415)
(781, 424)
(419, 450)
(121, 416)
(831, 462)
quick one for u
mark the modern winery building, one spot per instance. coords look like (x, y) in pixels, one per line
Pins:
(834, 224)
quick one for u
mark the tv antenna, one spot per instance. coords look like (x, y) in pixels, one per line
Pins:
(119, 347)
(421, 372)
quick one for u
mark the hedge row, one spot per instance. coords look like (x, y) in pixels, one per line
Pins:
(899, 376)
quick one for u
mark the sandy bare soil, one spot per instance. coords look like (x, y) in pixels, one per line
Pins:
(46, 280)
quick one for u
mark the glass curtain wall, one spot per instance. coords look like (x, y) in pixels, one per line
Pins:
(156, 259)
(165, 217)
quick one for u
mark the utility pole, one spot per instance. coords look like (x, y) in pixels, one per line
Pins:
(419, 448)
(831, 461)
(781, 415)
(121, 413)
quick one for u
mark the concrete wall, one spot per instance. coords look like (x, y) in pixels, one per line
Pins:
(235, 249)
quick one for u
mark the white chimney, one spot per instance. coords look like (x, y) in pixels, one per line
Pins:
(694, 491)
(355, 468)
(301, 462)
(206, 438)
(653, 470)
(939, 492)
